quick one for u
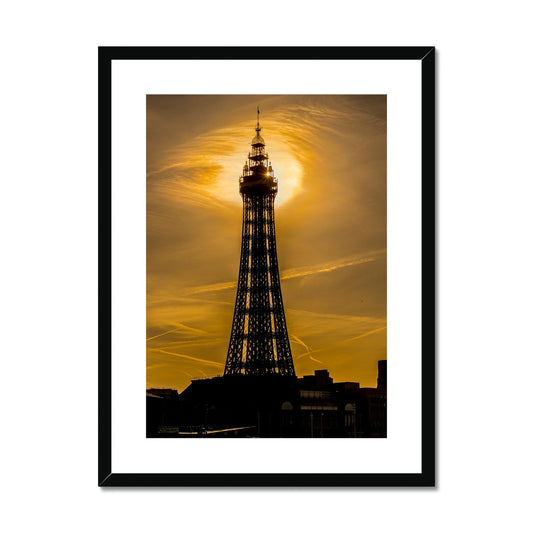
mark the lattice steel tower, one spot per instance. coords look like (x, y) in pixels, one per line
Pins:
(259, 343)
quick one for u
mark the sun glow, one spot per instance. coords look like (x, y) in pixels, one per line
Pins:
(287, 170)
(207, 168)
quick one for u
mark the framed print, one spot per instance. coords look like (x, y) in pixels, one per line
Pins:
(266, 266)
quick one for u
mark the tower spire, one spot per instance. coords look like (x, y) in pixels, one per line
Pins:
(258, 128)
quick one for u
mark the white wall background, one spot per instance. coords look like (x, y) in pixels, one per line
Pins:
(49, 260)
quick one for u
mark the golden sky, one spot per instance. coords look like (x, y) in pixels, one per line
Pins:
(329, 154)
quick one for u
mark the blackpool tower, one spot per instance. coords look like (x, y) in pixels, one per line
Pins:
(259, 342)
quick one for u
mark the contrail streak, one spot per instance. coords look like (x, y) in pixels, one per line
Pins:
(161, 334)
(180, 326)
(308, 354)
(367, 333)
(197, 359)
(309, 271)
(292, 273)
(301, 342)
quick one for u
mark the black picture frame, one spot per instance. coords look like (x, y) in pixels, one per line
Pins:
(426, 478)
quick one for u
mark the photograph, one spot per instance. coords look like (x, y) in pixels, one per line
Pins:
(266, 266)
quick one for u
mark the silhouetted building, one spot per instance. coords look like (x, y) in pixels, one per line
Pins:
(312, 406)
(162, 411)
(372, 407)
(321, 409)
(169, 394)
(382, 374)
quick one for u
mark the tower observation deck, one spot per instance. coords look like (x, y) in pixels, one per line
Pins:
(259, 342)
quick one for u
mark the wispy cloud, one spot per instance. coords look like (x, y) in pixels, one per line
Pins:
(307, 353)
(201, 171)
(310, 317)
(298, 272)
(179, 327)
(331, 333)
(331, 266)
(371, 332)
(163, 300)
(161, 334)
(153, 367)
(213, 287)
(189, 328)
(301, 342)
(191, 358)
